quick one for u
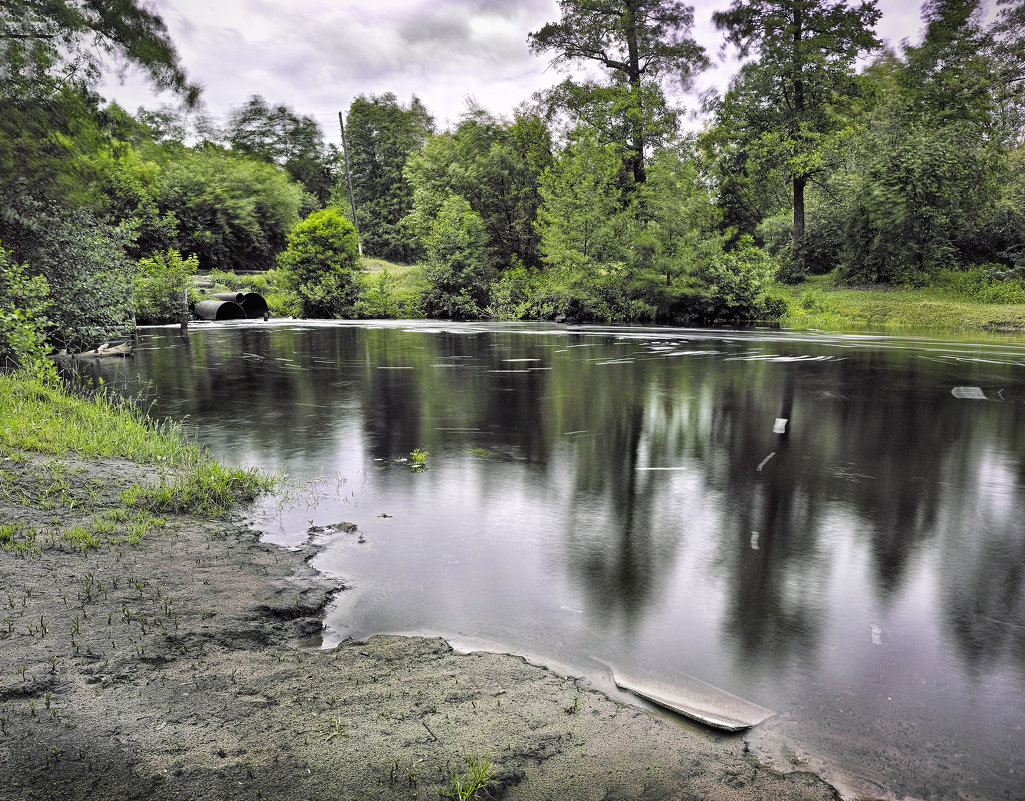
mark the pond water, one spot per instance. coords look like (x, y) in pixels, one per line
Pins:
(629, 496)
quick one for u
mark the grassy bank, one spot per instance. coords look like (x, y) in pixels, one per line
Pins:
(950, 304)
(393, 290)
(45, 427)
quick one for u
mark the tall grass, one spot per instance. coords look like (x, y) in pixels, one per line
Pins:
(40, 415)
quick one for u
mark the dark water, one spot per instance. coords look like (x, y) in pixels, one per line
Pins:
(620, 496)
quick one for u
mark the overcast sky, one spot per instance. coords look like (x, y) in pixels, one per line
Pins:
(316, 56)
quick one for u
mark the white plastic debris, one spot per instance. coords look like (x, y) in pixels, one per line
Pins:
(968, 393)
(780, 426)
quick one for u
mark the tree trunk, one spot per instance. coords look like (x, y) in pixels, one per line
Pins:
(634, 76)
(799, 265)
(800, 181)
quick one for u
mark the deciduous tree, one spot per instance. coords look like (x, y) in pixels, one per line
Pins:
(380, 135)
(280, 136)
(321, 264)
(786, 103)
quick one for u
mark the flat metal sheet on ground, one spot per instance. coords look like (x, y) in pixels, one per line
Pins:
(694, 698)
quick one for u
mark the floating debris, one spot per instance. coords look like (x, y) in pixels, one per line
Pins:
(968, 393)
(754, 540)
(780, 426)
(765, 461)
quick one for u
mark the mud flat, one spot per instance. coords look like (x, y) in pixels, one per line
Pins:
(173, 668)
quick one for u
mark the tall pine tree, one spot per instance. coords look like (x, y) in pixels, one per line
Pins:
(639, 44)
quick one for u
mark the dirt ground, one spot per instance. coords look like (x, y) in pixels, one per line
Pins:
(175, 669)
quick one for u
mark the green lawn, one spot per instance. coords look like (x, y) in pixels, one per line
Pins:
(817, 303)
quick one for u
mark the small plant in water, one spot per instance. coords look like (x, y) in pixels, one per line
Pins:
(419, 458)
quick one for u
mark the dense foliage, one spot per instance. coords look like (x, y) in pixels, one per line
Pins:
(321, 265)
(163, 287)
(381, 134)
(824, 155)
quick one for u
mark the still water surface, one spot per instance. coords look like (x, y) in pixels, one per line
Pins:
(625, 496)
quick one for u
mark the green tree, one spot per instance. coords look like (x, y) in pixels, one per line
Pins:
(786, 105)
(233, 212)
(46, 41)
(639, 43)
(929, 172)
(280, 136)
(85, 263)
(24, 301)
(321, 264)
(456, 268)
(582, 223)
(495, 166)
(1008, 33)
(52, 125)
(675, 216)
(380, 134)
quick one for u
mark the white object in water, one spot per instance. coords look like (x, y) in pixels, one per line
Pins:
(694, 698)
(877, 635)
(754, 540)
(968, 393)
(780, 426)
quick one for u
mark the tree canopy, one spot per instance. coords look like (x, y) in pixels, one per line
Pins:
(639, 44)
(786, 104)
(381, 133)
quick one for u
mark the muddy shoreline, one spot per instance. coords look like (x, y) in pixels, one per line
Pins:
(175, 668)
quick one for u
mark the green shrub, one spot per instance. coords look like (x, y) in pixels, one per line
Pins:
(23, 305)
(378, 297)
(730, 285)
(511, 293)
(233, 282)
(321, 265)
(162, 286)
(986, 283)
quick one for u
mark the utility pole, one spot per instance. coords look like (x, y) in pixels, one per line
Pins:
(348, 180)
